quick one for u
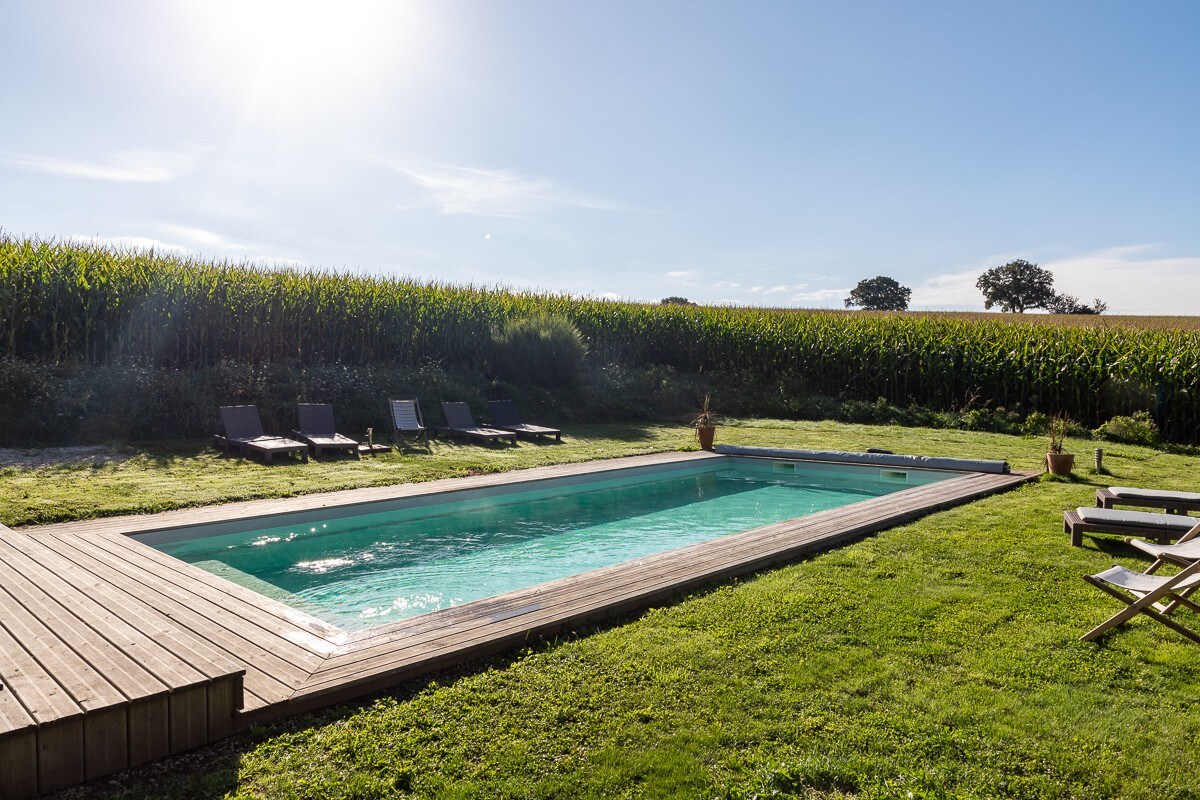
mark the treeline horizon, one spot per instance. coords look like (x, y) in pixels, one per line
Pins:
(87, 305)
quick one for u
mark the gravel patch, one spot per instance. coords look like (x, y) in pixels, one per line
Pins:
(60, 457)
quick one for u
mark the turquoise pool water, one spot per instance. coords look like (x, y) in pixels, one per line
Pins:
(372, 568)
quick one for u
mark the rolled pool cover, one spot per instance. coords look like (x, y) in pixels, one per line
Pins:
(875, 459)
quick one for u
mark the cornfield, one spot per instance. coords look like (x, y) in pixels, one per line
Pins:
(92, 305)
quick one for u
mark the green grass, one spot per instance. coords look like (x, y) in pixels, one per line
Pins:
(939, 659)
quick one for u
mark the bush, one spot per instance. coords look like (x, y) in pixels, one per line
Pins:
(1139, 428)
(543, 350)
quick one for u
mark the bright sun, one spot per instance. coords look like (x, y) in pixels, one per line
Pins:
(290, 51)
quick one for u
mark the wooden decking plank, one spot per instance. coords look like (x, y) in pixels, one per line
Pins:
(80, 598)
(265, 671)
(13, 716)
(79, 680)
(60, 760)
(301, 630)
(206, 602)
(124, 673)
(18, 749)
(38, 692)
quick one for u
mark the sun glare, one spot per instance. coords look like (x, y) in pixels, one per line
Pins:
(281, 53)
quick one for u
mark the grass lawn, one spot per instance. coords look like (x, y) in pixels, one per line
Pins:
(939, 659)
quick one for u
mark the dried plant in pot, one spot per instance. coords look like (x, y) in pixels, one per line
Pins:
(1058, 462)
(705, 423)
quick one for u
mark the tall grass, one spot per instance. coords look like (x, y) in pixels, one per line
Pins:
(86, 304)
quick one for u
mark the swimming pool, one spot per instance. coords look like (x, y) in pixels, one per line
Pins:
(363, 565)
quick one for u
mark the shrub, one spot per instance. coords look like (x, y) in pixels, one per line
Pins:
(1138, 428)
(542, 349)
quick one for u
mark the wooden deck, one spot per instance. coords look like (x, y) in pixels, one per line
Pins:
(115, 654)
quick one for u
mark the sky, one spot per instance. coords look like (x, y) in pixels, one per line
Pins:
(752, 153)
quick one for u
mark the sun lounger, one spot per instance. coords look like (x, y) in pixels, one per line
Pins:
(317, 429)
(460, 422)
(1163, 527)
(406, 418)
(1156, 596)
(1170, 502)
(506, 418)
(243, 430)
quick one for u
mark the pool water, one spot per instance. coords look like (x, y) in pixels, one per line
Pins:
(372, 568)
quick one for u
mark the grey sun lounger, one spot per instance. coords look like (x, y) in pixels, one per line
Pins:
(1169, 501)
(460, 422)
(1156, 596)
(243, 430)
(506, 418)
(1163, 527)
(406, 418)
(316, 429)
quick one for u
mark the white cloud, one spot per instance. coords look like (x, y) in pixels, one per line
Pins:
(1131, 280)
(683, 275)
(609, 296)
(819, 298)
(490, 192)
(951, 291)
(127, 166)
(201, 238)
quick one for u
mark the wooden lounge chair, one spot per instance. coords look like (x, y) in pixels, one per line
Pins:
(1163, 527)
(317, 429)
(243, 429)
(460, 422)
(406, 418)
(1170, 502)
(1156, 596)
(506, 418)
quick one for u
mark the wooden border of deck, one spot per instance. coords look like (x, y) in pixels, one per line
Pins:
(116, 653)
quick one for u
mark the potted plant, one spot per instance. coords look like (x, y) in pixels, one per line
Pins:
(1058, 462)
(705, 423)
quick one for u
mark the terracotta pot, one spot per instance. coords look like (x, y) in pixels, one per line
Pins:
(1060, 463)
(705, 435)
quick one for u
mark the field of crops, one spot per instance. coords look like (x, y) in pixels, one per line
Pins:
(96, 306)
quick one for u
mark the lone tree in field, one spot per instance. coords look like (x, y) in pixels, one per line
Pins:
(1017, 286)
(676, 301)
(879, 294)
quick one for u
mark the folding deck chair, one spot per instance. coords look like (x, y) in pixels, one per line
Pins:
(243, 429)
(317, 429)
(406, 418)
(460, 422)
(506, 418)
(1182, 553)
(1156, 596)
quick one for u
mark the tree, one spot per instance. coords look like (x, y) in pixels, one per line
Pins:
(879, 294)
(676, 301)
(1069, 304)
(1017, 286)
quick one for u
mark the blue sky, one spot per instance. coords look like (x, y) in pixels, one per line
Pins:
(761, 153)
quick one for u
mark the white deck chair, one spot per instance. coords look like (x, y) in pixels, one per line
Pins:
(1183, 552)
(406, 418)
(1156, 596)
